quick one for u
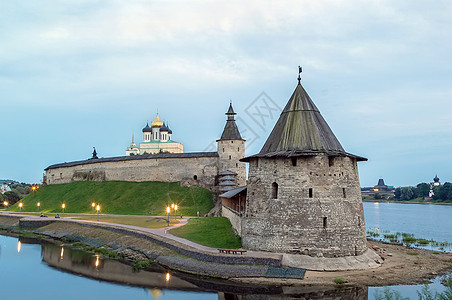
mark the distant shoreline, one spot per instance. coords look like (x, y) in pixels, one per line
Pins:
(408, 202)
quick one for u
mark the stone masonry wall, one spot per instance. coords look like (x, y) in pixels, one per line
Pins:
(230, 151)
(236, 220)
(199, 171)
(327, 220)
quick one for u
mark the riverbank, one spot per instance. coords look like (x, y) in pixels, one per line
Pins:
(401, 265)
(406, 202)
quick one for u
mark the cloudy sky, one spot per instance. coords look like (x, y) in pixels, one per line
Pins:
(83, 73)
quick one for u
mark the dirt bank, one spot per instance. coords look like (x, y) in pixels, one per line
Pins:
(401, 265)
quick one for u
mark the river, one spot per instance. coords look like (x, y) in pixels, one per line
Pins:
(30, 270)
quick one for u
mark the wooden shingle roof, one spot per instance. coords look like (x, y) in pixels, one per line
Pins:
(301, 131)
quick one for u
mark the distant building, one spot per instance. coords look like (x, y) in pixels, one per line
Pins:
(435, 182)
(380, 188)
(4, 188)
(157, 139)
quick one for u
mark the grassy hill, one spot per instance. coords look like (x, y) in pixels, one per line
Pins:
(119, 197)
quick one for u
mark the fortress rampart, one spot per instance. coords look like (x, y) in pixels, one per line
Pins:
(199, 168)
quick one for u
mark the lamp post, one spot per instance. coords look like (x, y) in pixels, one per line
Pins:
(38, 204)
(63, 206)
(5, 204)
(20, 206)
(168, 209)
(93, 205)
(175, 208)
(98, 208)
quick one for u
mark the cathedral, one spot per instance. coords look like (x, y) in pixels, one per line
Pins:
(156, 139)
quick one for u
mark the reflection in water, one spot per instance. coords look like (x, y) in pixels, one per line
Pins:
(19, 245)
(157, 279)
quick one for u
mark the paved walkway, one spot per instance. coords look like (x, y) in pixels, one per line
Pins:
(162, 232)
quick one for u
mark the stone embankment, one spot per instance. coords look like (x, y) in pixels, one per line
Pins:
(143, 245)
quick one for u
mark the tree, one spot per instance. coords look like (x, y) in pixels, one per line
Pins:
(11, 197)
(422, 189)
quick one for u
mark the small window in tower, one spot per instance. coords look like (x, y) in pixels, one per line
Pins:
(229, 157)
(331, 161)
(238, 149)
(195, 177)
(232, 142)
(61, 175)
(310, 193)
(257, 163)
(325, 222)
(274, 190)
(237, 165)
(294, 161)
(223, 149)
(343, 193)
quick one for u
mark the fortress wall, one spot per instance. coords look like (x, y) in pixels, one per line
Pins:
(236, 220)
(199, 171)
(293, 222)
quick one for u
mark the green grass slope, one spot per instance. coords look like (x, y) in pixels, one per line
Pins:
(119, 197)
(210, 232)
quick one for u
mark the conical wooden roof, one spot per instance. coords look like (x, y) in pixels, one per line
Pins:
(301, 130)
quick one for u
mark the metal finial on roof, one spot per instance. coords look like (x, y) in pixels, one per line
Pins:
(299, 74)
(94, 153)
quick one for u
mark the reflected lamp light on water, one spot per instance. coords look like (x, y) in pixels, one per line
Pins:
(167, 277)
(62, 253)
(19, 245)
(96, 263)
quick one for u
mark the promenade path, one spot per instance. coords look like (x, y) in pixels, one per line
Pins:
(161, 232)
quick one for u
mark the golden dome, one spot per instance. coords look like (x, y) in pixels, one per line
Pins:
(157, 123)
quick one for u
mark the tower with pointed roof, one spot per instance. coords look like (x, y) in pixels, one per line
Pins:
(231, 148)
(303, 192)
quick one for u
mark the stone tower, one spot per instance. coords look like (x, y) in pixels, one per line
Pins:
(231, 148)
(303, 193)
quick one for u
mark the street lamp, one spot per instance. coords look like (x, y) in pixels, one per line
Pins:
(168, 210)
(63, 206)
(5, 203)
(93, 205)
(175, 208)
(98, 208)
(20, 206)
(38, 204)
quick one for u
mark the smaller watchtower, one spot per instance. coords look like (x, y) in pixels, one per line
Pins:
(231, 148)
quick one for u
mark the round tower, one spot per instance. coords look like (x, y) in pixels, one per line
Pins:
(303, 192)
(231, 148)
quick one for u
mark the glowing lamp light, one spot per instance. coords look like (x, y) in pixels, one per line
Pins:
(168, 209)
(96, 264)
(98, 207)
(175, 207)
(33, 188)
(93, 204)
(38, 204)
(21, 204)
(63, 206)
(5, 203)
(62, 253)
(172, 205)
(167, 277)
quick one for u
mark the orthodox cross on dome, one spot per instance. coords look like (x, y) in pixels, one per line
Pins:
(300, 69)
